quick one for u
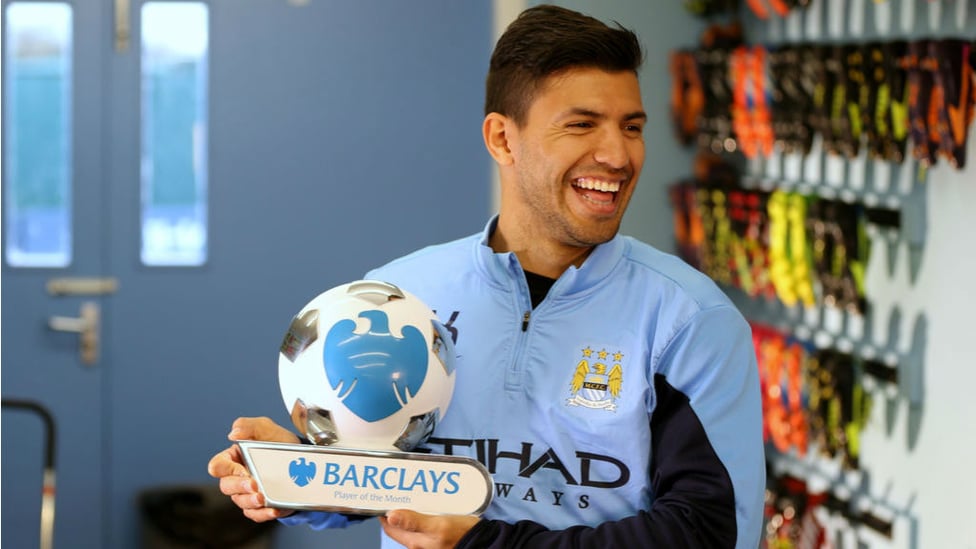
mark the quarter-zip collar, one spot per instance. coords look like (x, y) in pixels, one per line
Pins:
(500, 268)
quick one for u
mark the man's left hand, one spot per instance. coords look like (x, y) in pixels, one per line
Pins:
(420, 531)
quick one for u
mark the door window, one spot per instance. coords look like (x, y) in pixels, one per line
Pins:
(37, 145)
(174, 133)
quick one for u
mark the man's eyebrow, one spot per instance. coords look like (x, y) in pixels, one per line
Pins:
(581, 111)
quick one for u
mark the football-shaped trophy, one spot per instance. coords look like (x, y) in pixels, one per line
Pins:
(366, 371)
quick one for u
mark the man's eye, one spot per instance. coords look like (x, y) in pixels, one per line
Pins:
(634, 128)
(581, 125)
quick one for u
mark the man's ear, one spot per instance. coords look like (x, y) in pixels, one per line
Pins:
(498, 131)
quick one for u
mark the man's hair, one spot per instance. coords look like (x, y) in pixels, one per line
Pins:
(546, 40)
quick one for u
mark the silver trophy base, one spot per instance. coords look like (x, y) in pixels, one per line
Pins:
(366, 482)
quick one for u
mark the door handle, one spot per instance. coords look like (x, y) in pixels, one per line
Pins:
(83, 285)
(86, 326)
(121, 25)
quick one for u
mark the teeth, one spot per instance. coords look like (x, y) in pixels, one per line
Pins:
(597, 184)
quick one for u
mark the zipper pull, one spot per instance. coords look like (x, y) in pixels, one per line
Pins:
(525, 321)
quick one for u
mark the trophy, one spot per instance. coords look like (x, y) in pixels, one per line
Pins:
(366, 370)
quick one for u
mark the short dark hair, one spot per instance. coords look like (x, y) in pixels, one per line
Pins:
(545, 40)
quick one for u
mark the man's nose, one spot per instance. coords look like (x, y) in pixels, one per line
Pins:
(612, 149)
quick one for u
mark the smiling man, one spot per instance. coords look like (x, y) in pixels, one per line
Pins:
(569, 168)
(610, 389)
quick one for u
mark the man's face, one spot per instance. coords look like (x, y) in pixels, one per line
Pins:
(578, 156)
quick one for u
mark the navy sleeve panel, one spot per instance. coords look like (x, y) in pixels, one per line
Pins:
(694, 503)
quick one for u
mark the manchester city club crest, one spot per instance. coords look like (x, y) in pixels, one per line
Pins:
(595, 384)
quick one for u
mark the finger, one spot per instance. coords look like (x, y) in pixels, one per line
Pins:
(227, 463)
(419, 530)
(407, 520)
(243, 428)
(403, 537)
(260, 515)
(253, 500)
(230, 486)
(260, 428)
(253, 428)
(267, 513)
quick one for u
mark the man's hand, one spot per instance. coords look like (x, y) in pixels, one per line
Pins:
(235, 479)
(419, 531)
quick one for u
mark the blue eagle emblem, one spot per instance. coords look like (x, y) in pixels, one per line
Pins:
(375, 373)
(301, 471)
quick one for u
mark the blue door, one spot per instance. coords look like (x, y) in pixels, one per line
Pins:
(313, 140)
(54, 190)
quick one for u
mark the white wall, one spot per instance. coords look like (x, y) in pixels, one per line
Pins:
(919, 445)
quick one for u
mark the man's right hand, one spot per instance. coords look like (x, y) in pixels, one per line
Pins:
(235, 480)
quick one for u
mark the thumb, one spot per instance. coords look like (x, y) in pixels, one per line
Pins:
(260, 428)
(242, 429)
(405, 519)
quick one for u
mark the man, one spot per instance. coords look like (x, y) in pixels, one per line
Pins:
(610, 389)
